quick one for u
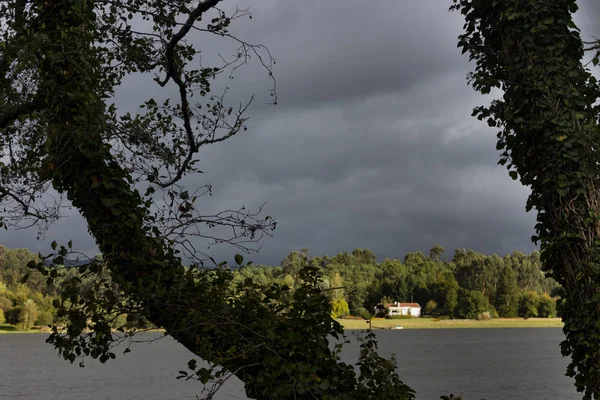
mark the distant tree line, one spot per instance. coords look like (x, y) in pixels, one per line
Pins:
(469, 285)
(31, 304)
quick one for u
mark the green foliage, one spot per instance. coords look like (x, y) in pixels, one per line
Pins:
(336, 283)
(431, 308)
(27, 315)
(5, 303)
(12, 315)
(339, 308)
(363, 313)
(471, 304)
(436, 253)
(119, 322)
(378, 376)
(44, 318)
(548, 135)
(528, 304)
(507, 293)
(2, 317)
(444, 291)
(546, 306)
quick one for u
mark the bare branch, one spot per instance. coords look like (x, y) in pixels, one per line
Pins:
(592, 45)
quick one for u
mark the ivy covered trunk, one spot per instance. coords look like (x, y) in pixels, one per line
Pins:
(550, 139)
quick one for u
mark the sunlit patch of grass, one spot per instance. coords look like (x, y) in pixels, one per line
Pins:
(7, 328)
(428, 323)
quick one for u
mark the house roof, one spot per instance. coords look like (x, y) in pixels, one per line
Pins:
(410, 305)
(414, 305)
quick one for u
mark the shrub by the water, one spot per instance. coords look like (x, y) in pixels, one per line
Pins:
(484, 316)
(27, 315)
(44, 318)
(546, 307)
(363, 313)
(5, 304)
(339, 308)
(528, 304)
(12, 315)
(431, 307)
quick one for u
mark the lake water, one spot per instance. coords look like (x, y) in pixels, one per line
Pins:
(516, 364)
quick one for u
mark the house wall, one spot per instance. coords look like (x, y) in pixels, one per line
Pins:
(395, 311)
(414, 311)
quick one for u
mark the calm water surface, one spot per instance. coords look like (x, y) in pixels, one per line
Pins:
(519, 364)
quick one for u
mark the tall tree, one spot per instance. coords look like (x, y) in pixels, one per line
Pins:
(548, 121)
(436, 253)
(61, 63)
(393, 281)
(507, 294)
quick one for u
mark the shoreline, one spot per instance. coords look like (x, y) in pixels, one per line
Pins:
(413, 323)
(428, 323)
(11, 329)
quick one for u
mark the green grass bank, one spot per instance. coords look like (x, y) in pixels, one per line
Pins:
(428, 323)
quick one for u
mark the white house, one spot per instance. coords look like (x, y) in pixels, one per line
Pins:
(413, 309)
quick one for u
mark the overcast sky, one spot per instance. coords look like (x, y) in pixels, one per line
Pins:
(371, 145)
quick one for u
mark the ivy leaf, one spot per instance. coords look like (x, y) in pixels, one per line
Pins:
(239, 259)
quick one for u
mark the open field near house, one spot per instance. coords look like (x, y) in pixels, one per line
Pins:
(428, 323)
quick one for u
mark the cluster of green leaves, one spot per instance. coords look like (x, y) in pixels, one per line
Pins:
(548, 120)
(23, 306)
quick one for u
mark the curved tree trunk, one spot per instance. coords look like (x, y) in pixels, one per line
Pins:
(81, 166)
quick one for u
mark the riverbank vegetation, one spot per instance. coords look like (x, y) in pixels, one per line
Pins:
(466, 286)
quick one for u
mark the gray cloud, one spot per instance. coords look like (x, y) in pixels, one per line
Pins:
(372, 144)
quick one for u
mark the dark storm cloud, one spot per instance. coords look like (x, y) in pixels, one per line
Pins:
(329, 51)
(356, 51)
(587, 18)
(372, 144)
(393, 173)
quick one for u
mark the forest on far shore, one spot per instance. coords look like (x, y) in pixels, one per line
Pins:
(467, 285)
